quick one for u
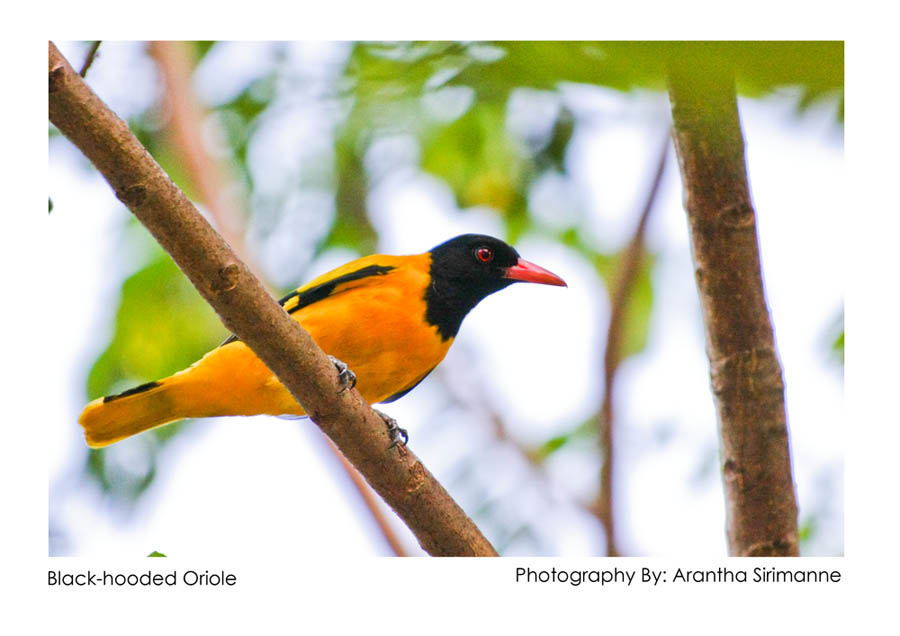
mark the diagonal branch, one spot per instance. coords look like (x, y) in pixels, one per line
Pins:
(745, 373)
(91, 55)
(249, 312)
(370, 501)
(186, 117)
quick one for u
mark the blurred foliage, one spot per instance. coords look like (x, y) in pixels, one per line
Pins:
(836, 338)
(807, 530)
(838, 346)
(482, 164)
(452, 100)
(156, 554)
(494, 70)
(352, 227)
(162, 325)
(586, 430)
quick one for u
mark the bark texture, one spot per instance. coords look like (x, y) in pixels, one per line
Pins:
(246, 308)
(176, 63)
(761, 507)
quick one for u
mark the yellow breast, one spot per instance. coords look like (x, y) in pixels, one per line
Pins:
(376, 325)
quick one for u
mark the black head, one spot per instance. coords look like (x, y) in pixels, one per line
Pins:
(466, 269)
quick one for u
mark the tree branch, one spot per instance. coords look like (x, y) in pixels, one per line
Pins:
(761, 508)
(92, 54)
(471, 396)
(370, 501)
(176, 63)
(247, 310)
(185, 123)
(629, 268)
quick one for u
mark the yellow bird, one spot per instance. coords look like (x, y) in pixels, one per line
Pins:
(390, 319)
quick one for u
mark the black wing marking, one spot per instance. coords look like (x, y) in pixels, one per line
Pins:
(321, 291)
(138, 389)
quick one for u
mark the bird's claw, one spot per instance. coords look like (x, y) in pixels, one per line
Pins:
(398, 435)
(346, 377)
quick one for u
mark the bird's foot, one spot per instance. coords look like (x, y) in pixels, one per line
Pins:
(346, 377)
(398, 435)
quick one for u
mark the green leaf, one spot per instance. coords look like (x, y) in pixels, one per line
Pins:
(238, 117)
(552, 445)
(389, 71)
(156, 554)
(640, 304)
(202, 47)
(162, 325)
(836, 337)
(553, 155)
(760, 67)
(838, 346)
(478, 159)
(807, 529)
(586, 429)
(352, 227)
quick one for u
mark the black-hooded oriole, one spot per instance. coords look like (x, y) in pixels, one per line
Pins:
(391, 319)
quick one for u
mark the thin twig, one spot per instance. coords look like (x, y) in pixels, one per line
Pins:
(472, 397)
(249, 312)
(176, 63)
(92, 53)
(629, 268)
(371, 503)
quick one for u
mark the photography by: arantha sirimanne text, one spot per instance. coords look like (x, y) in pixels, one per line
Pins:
(649, 576)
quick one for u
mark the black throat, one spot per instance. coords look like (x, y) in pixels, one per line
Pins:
(450, 297)
(463, 271)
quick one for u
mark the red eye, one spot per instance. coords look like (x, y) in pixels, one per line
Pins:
(484, 254)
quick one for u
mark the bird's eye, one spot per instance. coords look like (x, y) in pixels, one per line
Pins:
(484, 254)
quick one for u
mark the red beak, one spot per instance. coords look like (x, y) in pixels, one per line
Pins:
(531, 273)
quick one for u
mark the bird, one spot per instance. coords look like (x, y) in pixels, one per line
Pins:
(386, 322)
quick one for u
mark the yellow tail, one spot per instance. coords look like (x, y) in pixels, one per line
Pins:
(229, 380)
(115, 417)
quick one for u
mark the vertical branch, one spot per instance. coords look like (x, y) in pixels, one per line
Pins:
(630, 266)
(176, 63)
(761, 508)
